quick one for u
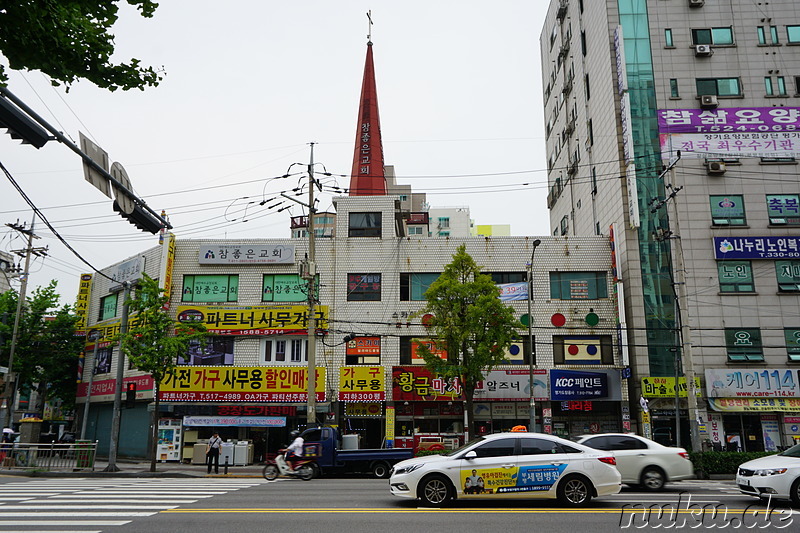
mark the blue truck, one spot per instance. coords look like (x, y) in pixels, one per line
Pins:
(332, 458)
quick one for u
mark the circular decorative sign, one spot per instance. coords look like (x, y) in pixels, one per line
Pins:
(558, 320)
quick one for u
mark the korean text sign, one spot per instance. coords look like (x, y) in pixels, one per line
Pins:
(417, 383)
(240, 384)
(253, 319)
(362, 383)
(574, 385)
(769, 383)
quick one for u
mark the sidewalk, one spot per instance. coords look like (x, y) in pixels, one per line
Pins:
(140, 468)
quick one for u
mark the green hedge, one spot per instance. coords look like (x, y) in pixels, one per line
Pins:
(423, 453)
(706, 463)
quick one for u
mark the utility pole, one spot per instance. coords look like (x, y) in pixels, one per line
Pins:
(94, 336)
(679, 284)
(117, 413)
(10, 392)
(311, 272)
(308, 272)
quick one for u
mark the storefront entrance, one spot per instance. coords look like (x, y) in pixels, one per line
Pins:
(743, 432)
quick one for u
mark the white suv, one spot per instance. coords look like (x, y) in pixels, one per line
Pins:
(642, 461)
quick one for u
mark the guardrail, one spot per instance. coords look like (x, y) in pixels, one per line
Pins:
(55, 456)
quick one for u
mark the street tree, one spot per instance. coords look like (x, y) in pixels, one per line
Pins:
(470, 323)
(69, 40)
(47, 349)
(154, 341)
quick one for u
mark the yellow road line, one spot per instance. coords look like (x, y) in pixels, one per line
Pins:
(470, 510)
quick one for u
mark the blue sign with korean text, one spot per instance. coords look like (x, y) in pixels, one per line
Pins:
(757, 247)
(575, 385)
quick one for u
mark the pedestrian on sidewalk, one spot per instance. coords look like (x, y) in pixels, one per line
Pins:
(212, 452)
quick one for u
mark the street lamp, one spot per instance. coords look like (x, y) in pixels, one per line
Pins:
(531, 347)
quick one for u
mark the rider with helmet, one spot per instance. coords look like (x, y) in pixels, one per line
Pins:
(295, 450)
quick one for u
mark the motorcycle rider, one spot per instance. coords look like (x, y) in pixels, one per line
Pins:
(295, 450)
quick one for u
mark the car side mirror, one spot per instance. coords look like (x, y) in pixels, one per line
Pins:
(471, 455)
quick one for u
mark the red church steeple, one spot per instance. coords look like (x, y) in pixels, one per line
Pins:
(368, 178)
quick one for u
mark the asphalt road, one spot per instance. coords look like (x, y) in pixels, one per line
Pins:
(350, 505)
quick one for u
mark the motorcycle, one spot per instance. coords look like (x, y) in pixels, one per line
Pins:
(304, 468)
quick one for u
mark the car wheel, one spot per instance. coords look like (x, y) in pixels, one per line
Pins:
(653, 479)
(380, 470)
(270, 472)
(794, 493)
(574, 491)
(435, 491)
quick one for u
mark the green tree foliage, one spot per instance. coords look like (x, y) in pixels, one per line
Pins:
(47, 350)
(154, 340)
(69, 40)
(470, 322)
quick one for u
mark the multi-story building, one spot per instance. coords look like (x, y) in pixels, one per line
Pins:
(674, 124)
(372, 281)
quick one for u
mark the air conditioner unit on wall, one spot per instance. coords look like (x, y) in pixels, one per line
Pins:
(709, 101)
(702, 50)
(716, 167)
(696, 3)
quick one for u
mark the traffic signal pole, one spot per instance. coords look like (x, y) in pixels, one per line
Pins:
(143, 216)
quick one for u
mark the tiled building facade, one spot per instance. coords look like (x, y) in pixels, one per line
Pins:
(371, 283)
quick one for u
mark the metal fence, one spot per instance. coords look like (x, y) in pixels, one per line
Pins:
(55, 456)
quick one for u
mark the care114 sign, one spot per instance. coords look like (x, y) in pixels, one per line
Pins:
(769, 382)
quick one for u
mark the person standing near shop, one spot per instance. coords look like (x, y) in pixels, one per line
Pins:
(212, 452)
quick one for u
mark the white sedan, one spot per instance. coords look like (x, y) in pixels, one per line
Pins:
(509, 465)
(641, 461)
(775, 475)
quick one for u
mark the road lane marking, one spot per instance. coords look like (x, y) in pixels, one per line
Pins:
(439, 510)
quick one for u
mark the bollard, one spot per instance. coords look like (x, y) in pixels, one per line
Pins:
(226, 466)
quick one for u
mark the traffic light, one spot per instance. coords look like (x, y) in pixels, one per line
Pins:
(140, 218)
(20, 126)
(130, 395)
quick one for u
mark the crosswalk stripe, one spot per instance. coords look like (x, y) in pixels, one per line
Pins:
(83, 505)
(148, 496)
(98, 514)
(62, 531)
(173, 503)
(62, 523)
(21, 507)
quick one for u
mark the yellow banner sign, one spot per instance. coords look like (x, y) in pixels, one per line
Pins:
(82, 301)
(361, 383)
(253, 319)
(738, 405)
(240, 384)
(389, 423)
(665, 387)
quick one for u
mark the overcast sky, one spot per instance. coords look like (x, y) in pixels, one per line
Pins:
(248, 87)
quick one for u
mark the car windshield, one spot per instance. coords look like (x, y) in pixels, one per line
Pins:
(794, 451)
(464, 447)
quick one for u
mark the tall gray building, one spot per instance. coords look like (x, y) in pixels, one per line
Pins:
(675, 124)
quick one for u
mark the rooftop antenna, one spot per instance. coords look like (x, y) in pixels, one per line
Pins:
(369, 28)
